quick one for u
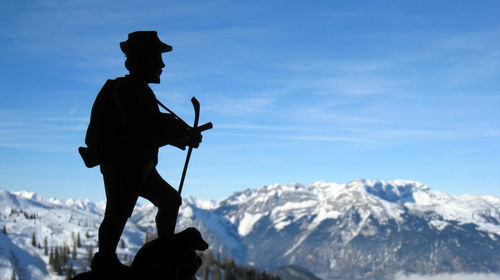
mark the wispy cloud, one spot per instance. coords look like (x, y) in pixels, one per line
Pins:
(240, 106)
(40, 130)
(256, 127)
(328, 139)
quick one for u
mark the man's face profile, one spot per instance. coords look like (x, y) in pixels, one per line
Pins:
(149, 67)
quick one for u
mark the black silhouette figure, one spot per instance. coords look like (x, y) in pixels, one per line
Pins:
(125, 132)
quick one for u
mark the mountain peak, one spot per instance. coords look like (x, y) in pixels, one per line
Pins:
(364, 220)
(400, 191)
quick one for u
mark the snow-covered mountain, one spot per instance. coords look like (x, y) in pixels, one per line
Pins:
(365, 229)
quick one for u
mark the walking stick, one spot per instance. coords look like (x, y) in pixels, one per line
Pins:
(201, 128)
(196, 106)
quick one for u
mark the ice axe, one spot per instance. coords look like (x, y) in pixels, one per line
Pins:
(200, 128)
(196, 106)
(203, 127)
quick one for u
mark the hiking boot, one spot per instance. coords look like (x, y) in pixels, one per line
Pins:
(108, 264)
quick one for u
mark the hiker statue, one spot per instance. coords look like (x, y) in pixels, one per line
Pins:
(125, 132)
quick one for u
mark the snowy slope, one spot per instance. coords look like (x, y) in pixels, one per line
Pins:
(359, 230)
(25, 215)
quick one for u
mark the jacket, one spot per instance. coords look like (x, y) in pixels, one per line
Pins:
(126, 126)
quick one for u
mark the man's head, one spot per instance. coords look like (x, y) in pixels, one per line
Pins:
(143, 50)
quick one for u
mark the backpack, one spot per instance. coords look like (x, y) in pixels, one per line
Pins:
(102, 129)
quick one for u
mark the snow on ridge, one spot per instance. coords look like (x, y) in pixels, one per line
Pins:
(385, 200)
(295, 205)
(28, 195)
(26, 199)
(201, 203)
(395, 191)
(241, 196)
(479, 210)
(263, 192)
(285, 203)
(247, 222)
(83, 204)
(101, 205)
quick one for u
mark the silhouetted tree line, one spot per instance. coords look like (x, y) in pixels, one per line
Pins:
(63, 258)
(227, 269)
(59, 261)
(26, 214)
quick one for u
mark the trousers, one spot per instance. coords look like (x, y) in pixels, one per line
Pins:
(123, 187)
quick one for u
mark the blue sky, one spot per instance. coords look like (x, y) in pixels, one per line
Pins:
(298, 91)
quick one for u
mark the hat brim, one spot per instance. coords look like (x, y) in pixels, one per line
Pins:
(128, 49)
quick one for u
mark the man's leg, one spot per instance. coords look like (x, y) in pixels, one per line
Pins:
(166, 198)
(120, 201)
(110, 232)
(165, 221)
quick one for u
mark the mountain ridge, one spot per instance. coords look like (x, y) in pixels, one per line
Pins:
(323, 226)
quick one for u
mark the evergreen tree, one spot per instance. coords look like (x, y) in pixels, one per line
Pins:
(90, 252)
(4, 229)
(65, 255)
(33, 240)
(69, 272)
(57, 261)
(51, 256)
(45, 246)
(208, 263)
(206, 272)
(73, 254)
(81, 265)
(78, 240)
(217, 274)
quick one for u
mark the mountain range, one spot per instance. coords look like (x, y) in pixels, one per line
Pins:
(364, 229)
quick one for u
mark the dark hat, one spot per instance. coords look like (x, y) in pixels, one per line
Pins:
(143, 41)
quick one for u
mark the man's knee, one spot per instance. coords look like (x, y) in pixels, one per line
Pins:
(167, 209)
(114, 219)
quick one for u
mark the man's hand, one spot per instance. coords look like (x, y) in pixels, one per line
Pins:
(194, 137)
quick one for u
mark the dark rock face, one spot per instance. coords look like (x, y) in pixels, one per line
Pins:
(378, 251)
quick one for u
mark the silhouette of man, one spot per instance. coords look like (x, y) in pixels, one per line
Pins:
(125, 131)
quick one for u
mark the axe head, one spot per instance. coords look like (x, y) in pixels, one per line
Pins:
(196, 106)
